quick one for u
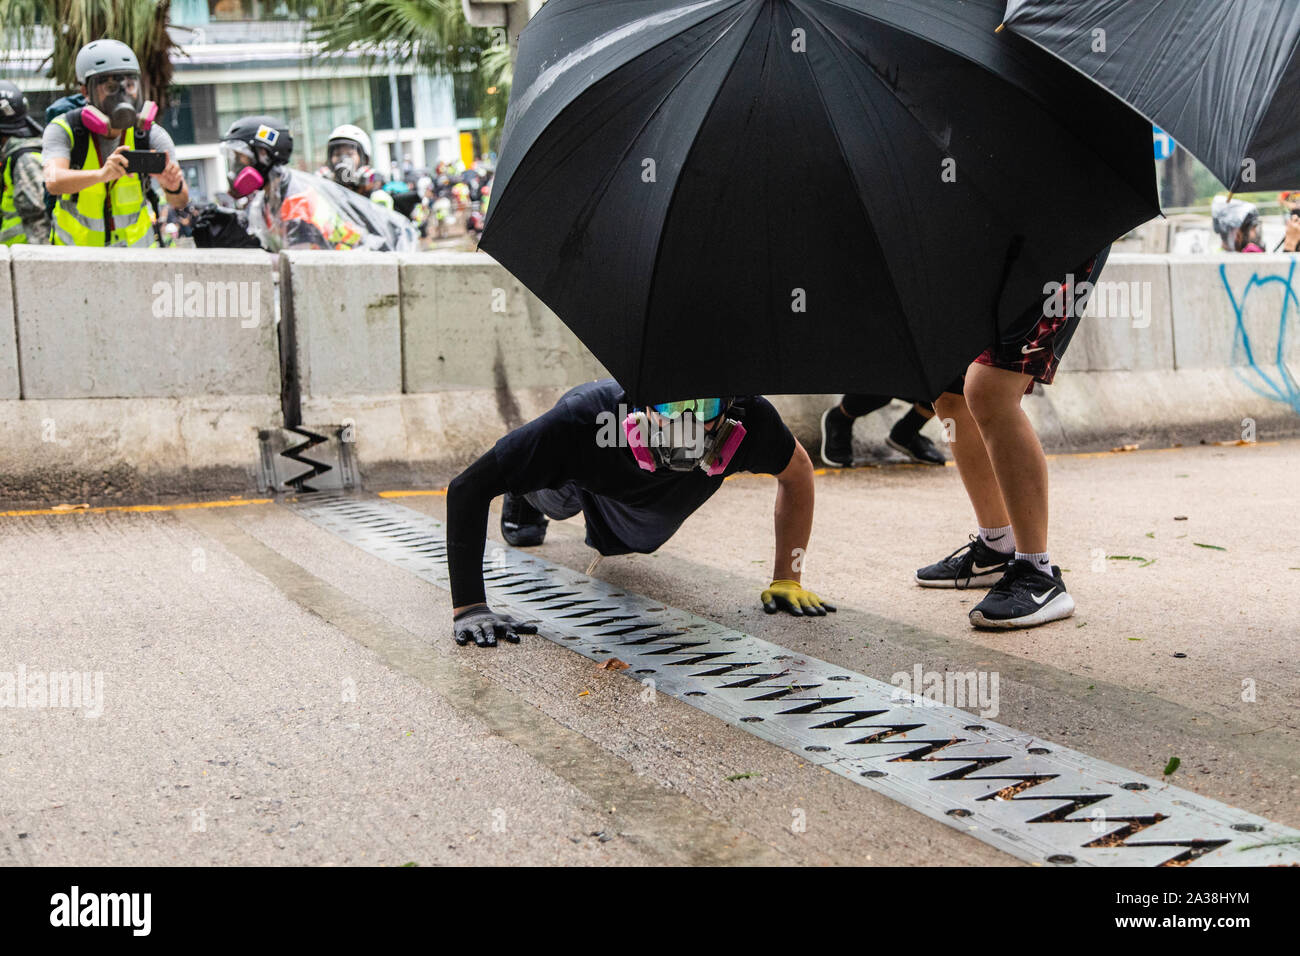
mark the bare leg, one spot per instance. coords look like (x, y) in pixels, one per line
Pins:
(993, 396)
(972, 461)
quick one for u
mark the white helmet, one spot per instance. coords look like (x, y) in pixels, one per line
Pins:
(348, 133)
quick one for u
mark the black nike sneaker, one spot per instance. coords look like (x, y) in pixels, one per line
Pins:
(837, 438)
(522, 525)
(973, 565)
(918, 448)
(1025, 597)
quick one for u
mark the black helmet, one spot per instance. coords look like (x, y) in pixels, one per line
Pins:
(265, 140)
(14, 120)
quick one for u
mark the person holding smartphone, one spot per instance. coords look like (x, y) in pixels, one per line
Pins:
(99, 158)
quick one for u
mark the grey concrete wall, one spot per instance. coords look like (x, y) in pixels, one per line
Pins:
(1207, 299)
(109, 323)
(467, 323)
(1128, 325)
(108, 387)
(347, 317)
(9, 386)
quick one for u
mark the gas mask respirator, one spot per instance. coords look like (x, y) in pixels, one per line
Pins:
(244, 175)
(118, 107)
(677, 436)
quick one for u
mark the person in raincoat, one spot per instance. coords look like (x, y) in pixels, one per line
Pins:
(291, 209)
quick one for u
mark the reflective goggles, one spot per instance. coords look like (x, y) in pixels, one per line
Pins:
(701, 409)
(111, 83)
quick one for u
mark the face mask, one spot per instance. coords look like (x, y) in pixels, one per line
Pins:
(247, 181)
(123, 116)
(345, 172)
(683, 444)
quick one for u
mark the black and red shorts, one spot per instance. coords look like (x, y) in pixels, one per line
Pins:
(1038, 352)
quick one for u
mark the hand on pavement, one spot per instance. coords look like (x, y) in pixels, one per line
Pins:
(793, 598)
(485, 627)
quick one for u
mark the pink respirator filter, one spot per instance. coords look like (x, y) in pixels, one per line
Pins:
(637, 443)
(728, 449)
(248, 180)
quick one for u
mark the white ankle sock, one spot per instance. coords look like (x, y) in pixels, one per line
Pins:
(999, 539)
(1043, 562)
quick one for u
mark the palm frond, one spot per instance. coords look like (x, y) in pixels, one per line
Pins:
(140, 24)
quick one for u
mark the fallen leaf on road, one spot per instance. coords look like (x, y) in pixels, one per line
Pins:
(584, 693)
(611, 664)
(1172, 765)
(1212, 547)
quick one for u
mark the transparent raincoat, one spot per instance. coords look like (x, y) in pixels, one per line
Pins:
(298, 210)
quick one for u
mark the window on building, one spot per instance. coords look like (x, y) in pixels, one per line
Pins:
(191, 115)
(382, 106)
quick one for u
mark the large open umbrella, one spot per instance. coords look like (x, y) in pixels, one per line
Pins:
(735, 196)
(1221, 76)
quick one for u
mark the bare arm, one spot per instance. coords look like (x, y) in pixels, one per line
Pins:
(60, 180)
(793, 515)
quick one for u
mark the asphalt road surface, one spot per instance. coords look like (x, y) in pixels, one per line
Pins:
(270, 694)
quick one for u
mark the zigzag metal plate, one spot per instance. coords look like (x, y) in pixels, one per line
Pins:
(1035, 800)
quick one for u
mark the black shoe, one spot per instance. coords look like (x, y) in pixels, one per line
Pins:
(1025, 597)
(837, 438)
(920, 449)
(522, 525)
(973, 565)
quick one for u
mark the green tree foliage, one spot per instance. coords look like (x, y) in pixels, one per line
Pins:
(140, 24)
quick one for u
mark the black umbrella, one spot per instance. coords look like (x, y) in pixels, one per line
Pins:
(1221, 76)
(736, 196)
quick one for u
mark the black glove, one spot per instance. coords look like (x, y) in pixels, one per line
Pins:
(219, 227)
(485, 627)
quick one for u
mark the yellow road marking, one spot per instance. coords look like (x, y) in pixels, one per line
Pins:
(183, 506)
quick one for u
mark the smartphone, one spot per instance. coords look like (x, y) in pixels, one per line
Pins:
(145, 160)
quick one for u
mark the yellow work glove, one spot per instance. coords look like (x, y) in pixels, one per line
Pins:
(791, 596)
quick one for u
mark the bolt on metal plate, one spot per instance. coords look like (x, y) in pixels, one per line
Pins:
(1038, 801)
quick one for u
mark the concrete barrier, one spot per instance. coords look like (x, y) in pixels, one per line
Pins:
(9, 385)
(347, 322)
(142, 373)
(110, 388)
(467, 323)
(122, 323)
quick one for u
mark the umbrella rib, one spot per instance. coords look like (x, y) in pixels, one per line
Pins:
(672, 201)
(866, 215)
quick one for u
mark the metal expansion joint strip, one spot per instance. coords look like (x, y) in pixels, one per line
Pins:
(1033, 799)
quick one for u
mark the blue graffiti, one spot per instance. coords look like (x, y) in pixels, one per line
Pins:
(1277, 382)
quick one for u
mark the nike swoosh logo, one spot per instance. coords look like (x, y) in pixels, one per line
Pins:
(1040, 598)
(1026, 350)
(976, 569)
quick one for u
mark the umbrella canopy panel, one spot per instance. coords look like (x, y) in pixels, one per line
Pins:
(738, 196)
(1221, 76)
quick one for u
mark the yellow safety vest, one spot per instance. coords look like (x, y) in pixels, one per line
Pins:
(105, 214)
(12, 231)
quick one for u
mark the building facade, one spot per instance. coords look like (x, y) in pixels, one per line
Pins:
(248, 56)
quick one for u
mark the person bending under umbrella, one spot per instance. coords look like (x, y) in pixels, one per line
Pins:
(635, 474)
(1003, 468)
